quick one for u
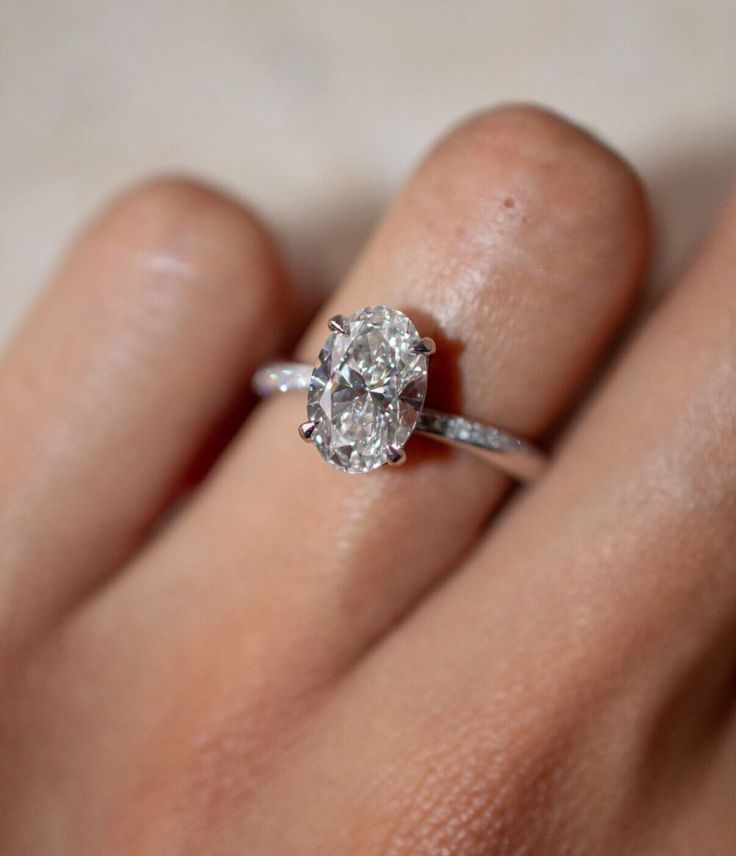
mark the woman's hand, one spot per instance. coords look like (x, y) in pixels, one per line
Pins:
(304, 662)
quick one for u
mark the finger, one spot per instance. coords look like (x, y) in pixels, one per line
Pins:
(520, 238)
(587, 651)
(138, 348)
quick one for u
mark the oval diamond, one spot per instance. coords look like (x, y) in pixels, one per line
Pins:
(368, 389)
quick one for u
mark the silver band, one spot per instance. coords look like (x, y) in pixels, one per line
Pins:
(510, 454)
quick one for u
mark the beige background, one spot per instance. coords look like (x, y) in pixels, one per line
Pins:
(315, 110)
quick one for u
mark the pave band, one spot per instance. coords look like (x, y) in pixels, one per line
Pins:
(511, 454)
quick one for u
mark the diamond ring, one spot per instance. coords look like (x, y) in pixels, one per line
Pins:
(365, 398)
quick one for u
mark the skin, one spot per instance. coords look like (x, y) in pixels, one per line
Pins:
(410, 662)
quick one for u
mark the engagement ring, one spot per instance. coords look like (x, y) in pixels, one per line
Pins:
(365, 399)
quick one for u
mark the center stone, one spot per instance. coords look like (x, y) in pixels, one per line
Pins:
(368, 390)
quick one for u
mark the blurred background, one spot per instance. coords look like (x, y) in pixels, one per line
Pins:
(314, 111)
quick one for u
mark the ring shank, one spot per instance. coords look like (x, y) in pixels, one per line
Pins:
(510, 454)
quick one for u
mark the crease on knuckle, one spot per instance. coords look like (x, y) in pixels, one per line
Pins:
(472, 800)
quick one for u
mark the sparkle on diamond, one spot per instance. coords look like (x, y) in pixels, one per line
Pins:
(368, 389)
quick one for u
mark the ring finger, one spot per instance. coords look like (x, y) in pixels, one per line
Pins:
(517, 245)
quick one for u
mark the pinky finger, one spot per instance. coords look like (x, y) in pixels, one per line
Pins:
(139, 347)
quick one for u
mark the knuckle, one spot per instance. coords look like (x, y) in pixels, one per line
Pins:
(474, 799)
(183, 231)
(525, 146)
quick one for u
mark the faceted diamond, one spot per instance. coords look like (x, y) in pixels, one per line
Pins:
(368, 389)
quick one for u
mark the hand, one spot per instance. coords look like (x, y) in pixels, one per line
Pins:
(301, 661)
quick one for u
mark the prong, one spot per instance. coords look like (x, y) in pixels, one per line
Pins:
(306, 429)
(425, 346)
(396, 456)
(338, 324)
